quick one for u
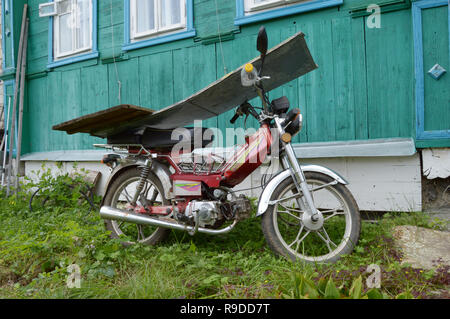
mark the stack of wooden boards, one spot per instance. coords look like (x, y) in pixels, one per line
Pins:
(284, 63)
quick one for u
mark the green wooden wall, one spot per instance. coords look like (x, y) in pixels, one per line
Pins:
(363, 88)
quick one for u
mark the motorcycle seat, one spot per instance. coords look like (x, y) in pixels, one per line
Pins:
(162, 139)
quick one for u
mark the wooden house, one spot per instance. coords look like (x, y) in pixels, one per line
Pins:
(377, 110)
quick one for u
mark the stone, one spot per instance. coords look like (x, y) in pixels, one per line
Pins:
(422, 247)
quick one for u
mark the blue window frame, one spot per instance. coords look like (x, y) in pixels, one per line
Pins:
(417, 7)
(92, 54)
(187, 32)
(7, 35)
(243, 18)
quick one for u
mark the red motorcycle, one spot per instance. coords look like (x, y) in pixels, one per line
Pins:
(307, 212)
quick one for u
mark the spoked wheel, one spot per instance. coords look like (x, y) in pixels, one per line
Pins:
(289, 232)
(120, 195)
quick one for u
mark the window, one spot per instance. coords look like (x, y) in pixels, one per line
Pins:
(72, 28)
(150, 22)
(251, 11)
(72, 31)
(153, 17)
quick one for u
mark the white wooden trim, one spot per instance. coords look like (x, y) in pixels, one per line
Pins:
(43, 6)
(436, 162)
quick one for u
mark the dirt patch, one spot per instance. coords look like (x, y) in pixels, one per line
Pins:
(435, 193)
(7, 277)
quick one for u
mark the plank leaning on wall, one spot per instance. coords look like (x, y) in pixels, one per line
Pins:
(19, 63)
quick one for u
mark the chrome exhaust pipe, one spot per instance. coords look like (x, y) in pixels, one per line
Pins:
(107, 212)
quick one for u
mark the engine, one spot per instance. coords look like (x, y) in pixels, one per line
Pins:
(208, 213)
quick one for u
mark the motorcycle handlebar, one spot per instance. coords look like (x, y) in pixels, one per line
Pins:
(235, 117)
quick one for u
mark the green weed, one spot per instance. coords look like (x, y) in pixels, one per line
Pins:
(37, 247)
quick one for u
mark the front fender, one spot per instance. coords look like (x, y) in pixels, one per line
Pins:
(266, 195)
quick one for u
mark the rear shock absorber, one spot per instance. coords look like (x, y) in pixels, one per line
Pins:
(144, 175)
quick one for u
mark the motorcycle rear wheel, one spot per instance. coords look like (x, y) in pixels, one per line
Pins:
(288, 236)
(119, 194)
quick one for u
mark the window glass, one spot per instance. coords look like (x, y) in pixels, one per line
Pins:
(64, 6)
(84, 24)
(65, 33)
(170, 13)
(154, 17)
(73, 27)
(145, 10)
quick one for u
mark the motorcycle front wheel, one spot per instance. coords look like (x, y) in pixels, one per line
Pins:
(287, 235)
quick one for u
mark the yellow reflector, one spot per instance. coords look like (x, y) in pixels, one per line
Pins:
(286, 137)
(249, 68)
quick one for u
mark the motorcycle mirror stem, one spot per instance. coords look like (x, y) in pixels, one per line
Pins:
(262, 45)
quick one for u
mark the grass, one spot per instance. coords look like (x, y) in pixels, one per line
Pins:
(37, 247)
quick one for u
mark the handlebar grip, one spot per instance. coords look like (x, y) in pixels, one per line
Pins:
(235, 117)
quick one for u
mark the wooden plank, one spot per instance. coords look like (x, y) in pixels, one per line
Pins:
(37, 24)
(287, 61)
(23, 70)
(390, 77)
(127, 72)
(70, 103)
(321, 104)
(54, 87)
(359, 78)
(94, 89)
(38, 45)
(343, 79)
(36, 121)
(194, 68)
(436, 50)
(105, 40)
(156, 80)
(94, 96)
(303, 89)
(207, 19)
(20, 61)
(97, 121)
(104, 12)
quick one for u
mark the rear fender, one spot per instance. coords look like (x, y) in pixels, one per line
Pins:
(266, 195)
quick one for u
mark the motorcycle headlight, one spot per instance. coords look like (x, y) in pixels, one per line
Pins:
(294, 121)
